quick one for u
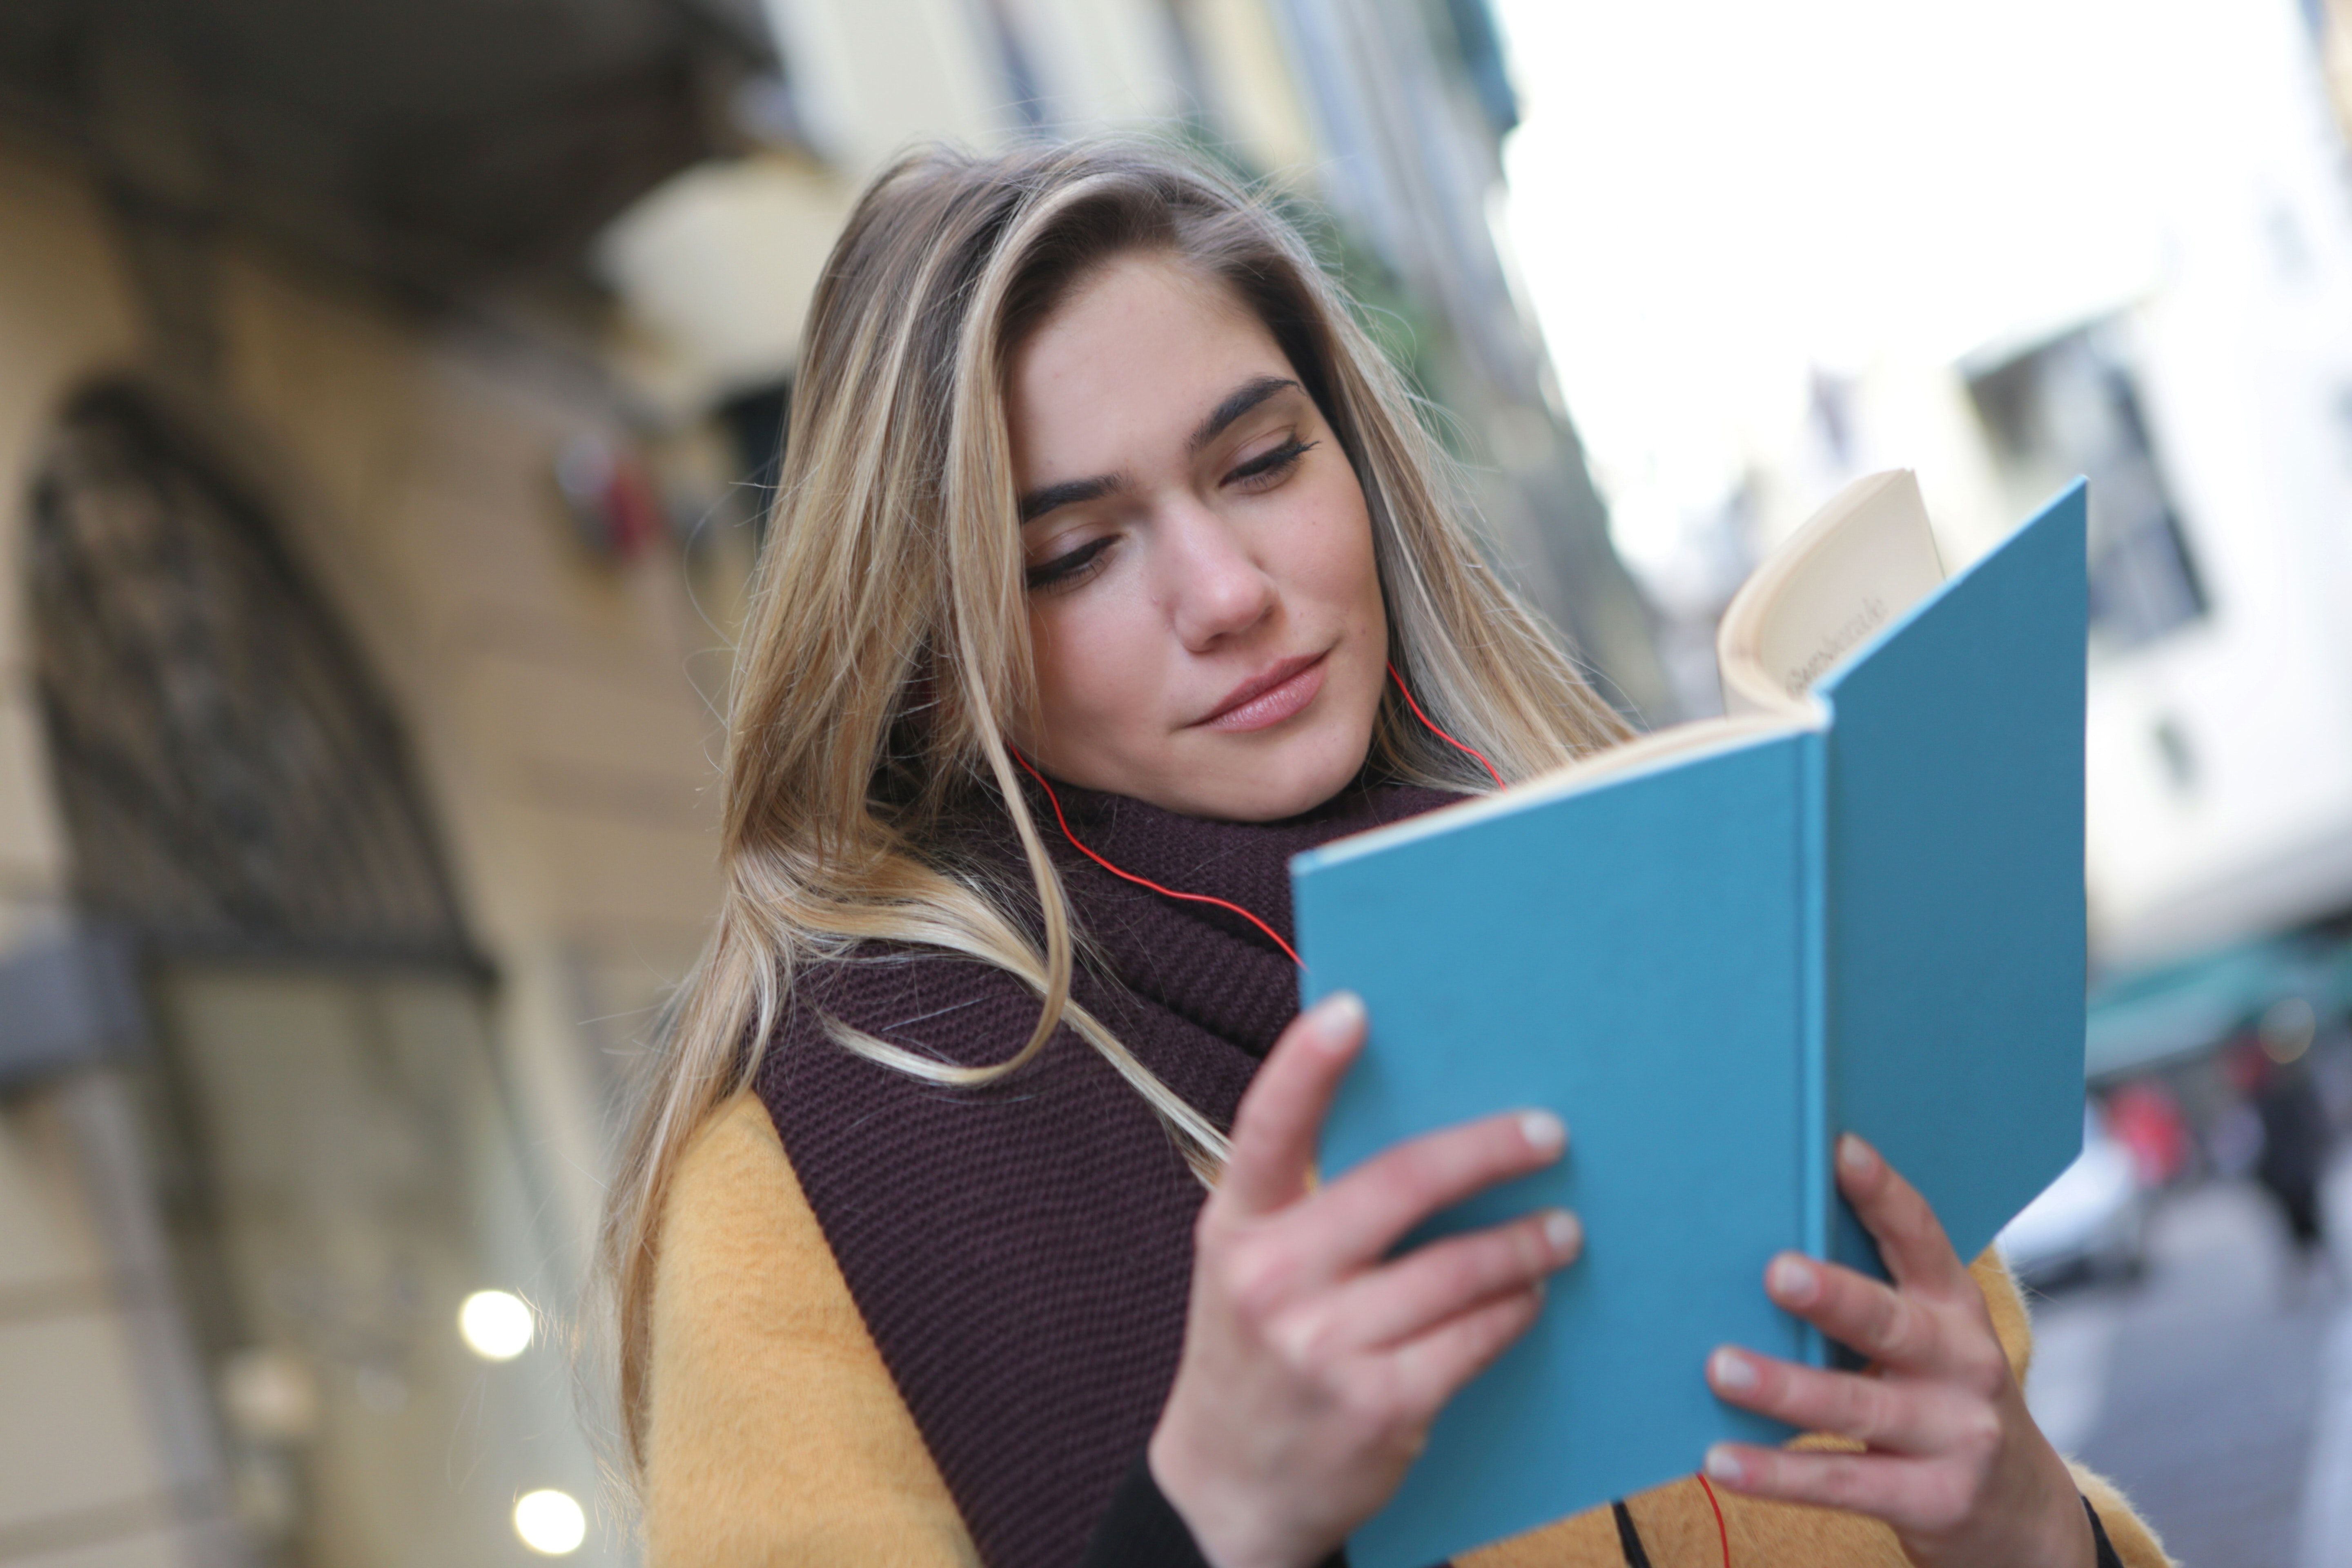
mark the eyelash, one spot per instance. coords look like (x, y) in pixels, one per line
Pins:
(1074, 567)
(1070, 569)
(1274, 464)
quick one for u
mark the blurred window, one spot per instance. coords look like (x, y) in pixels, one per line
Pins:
(1480, 44)
(755, 422)
(339, 1171)
(233, 778)
(2072, 407)
(337, 1161)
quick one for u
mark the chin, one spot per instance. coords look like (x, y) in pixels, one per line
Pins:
(1296, 776)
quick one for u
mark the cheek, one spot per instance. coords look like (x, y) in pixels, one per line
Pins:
(1328, 553)
(1095, 670)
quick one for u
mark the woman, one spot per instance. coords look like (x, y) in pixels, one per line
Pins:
(1110, 567)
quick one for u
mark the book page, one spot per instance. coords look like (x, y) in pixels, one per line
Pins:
(1863, 560)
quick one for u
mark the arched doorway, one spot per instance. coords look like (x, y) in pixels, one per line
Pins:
(337, 1165)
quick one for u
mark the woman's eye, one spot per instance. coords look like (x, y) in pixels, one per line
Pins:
(1271, 464)
(1071, 567)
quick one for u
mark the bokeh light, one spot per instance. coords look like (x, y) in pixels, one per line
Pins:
(496, 1325)
(550, 1522)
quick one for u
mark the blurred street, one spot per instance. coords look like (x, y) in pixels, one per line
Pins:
(2216, 1390)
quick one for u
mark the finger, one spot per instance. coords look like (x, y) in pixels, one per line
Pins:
(1880, 1323)
(1904, 1417)
(1910, 1237)
(1431, 1369)
(1356, 1219)
(1447, 1277)
(1908, 1493)
(1273, 1144)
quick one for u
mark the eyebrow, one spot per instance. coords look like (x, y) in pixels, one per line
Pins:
(1069, 492)
(1236, 403)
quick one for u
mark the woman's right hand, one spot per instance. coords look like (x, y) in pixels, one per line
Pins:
(1313, 1362)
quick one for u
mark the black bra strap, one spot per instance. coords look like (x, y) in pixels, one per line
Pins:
(1628, 1538)
(2108, 1556)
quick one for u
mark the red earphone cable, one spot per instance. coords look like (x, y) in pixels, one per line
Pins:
(1407, 693)
(1271, 935)
(1722, 1533)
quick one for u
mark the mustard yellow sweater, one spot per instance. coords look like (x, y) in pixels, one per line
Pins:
(775, 1436)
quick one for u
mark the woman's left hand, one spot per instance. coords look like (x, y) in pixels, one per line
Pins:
(1954, 1461)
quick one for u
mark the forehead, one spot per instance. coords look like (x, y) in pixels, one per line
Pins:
(1118, 373)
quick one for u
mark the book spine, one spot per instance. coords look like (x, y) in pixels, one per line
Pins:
(1817, 1203)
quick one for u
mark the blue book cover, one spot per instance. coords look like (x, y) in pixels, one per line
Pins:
(1860, 907)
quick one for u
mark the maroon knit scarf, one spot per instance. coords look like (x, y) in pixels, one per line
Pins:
(1021, 1254)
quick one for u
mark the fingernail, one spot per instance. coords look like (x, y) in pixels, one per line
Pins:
(1734, 1371)
(1854, 1157)
(1562, 1231)
(1722, 1465)
(1337, 1019)
(1793, 1280)
(1545, 1133)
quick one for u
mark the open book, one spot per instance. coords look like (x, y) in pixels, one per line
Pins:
(1856, 566)
(1854, 902)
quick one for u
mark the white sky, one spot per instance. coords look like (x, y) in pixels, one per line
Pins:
(1710, 197)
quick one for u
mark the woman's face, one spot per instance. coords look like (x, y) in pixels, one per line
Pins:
(1202, 596)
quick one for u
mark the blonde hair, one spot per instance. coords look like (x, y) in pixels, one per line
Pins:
(887, 638)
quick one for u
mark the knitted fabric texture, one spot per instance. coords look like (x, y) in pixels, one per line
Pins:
(1022, 1254)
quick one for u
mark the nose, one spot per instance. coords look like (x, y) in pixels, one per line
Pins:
(1214, 587)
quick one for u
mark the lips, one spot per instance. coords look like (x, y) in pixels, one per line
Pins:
(1268, 698)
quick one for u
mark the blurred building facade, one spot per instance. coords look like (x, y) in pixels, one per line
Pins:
(2209, 399)
(2210, 409)
(380, 384)
(354, 765)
